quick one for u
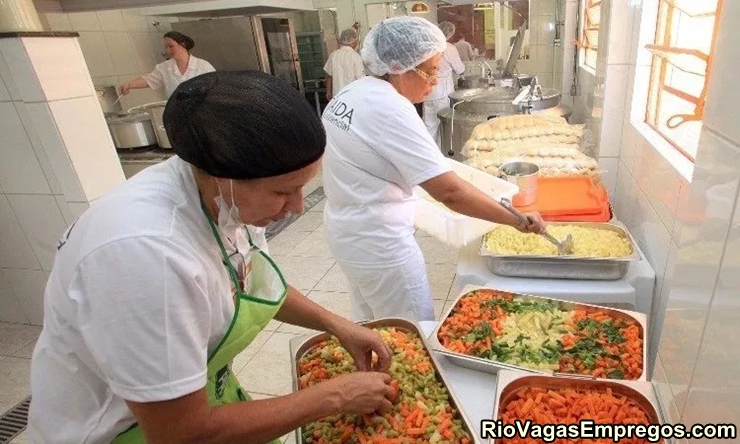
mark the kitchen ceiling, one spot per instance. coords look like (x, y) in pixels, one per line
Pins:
(185, 8)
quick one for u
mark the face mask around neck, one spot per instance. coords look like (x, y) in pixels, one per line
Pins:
(229, 222)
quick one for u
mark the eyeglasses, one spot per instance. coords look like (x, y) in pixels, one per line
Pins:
(431, 78)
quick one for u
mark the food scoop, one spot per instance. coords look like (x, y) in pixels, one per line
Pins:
(565, 247)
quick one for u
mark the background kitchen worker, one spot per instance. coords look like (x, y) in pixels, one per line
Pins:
(377, 150)
(158, 286)
(439, 99)
(465, 49)
(181, 67)
(344, 65)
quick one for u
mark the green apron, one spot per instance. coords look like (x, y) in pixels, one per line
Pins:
(256, 299)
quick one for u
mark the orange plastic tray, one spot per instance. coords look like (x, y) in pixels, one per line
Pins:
(605, 216)
(568, 196)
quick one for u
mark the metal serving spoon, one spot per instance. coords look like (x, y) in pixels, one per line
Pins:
(565, 247)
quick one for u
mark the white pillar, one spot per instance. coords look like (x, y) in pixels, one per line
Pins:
(19, 16)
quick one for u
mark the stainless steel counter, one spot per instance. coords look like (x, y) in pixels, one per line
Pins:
(135, 160)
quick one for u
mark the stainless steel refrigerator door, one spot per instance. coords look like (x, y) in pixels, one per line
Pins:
(229, 44)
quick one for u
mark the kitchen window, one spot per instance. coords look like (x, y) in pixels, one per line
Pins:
(590, 32)
(682, 55)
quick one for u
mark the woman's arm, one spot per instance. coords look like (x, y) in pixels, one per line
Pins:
(359, 341)
(137, 83)
(462, 197)
(190, 419)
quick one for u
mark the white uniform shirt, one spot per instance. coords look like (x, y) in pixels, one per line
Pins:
(344, 66)
(450, 63)
(167, 75)
(137, 299)
(377, 150)
(465, 49)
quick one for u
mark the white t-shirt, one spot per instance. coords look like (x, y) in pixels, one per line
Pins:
(137, 299)
(465, 49)
(344, 66)
(377, 150)
(167, 75)
(450, 63)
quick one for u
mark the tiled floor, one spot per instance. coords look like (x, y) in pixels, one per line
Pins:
(263, 368)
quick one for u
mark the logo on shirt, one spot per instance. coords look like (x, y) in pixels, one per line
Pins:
(339, 114)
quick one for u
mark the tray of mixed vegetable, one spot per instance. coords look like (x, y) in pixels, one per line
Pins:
(489, 330)
(425, 410)
(556, 400)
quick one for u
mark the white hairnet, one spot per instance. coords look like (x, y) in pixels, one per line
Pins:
(448, 29)
(348, 37)
(398, 44)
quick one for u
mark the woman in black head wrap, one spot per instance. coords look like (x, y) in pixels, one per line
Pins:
(162, 282)
(180, 67)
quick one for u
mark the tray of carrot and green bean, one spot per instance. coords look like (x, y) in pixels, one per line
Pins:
(425, 409)
(490, 330)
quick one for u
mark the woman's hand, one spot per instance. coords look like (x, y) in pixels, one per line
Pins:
(361, 342)
(363, 393)
(536, 224)
(125, 88)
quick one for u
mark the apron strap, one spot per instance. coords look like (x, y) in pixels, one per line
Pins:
(227, 262)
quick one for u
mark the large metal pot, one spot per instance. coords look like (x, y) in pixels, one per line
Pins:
(132, 131)
(108, 98)
(156, 111)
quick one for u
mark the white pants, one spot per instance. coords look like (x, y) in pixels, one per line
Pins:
(432, 122)
(388, 292)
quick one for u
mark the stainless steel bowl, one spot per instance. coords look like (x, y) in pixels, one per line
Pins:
(132, 131)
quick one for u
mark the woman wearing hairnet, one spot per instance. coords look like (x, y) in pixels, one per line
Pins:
(160, 284)
(344, 65)
(439, 98)
(378, 149)
(180, 67)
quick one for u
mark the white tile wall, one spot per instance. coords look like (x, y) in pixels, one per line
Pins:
(7, 77)
(545, 28)
(65, 210)
(10, 308)
(135, 22)
(38, 147)
(609, 166)
(613, 112)
(42, 222)
(661, 303)
(60, 67)
(15, 249)
(58, 21)
(124, 58)
(97, 57)
(699, 260)
(78, 208)
(28, 286)
(723, 80)
(20, 171)
(92, 152)
(4, 94)
(620, 36)
(111, 20)
(84, 21)
(51, 140)
(20, 72)
(144, 50)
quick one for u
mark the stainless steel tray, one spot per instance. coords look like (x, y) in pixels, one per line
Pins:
(489, 366)
(300, 345)
(509, 383)
(563, 267)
